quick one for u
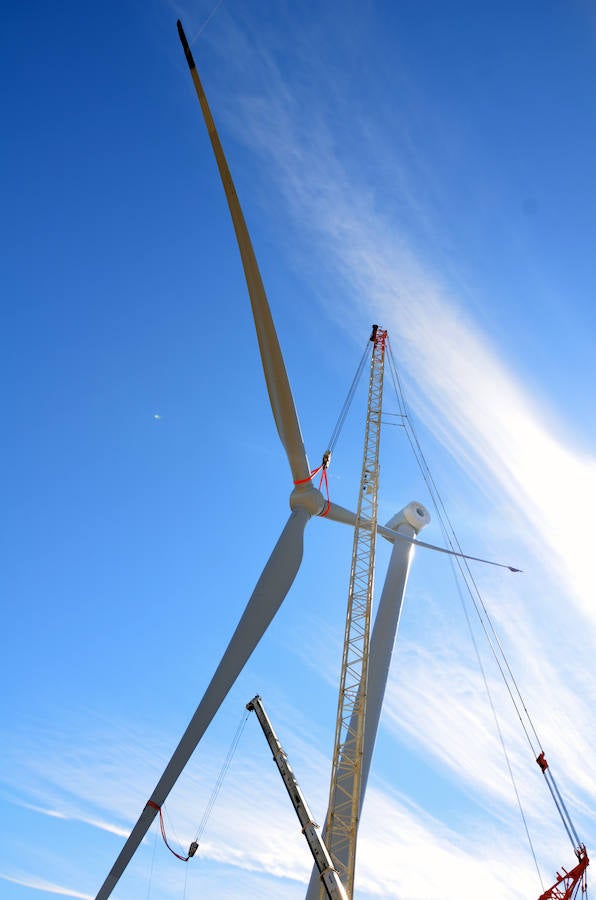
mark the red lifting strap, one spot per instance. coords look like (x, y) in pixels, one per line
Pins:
(322, 479)
(163, 832)
(310, 477)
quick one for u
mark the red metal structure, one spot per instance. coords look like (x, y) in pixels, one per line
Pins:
(568, 884)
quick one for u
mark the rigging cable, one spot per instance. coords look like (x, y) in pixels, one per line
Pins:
(489, 631)
(469, 580)
(347, 403)
(495, 717)
(487, 625)
(210, 804)
(150, 880)
(220, 778)
(322, 468)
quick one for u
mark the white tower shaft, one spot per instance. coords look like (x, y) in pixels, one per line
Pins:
(407, 523)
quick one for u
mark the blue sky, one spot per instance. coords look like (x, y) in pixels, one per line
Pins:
(425, 165)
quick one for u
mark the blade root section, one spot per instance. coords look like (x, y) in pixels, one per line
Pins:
(268, 595)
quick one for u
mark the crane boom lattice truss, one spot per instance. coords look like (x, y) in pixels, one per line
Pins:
(344, 798)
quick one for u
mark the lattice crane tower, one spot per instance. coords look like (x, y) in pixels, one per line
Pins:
(341, 827)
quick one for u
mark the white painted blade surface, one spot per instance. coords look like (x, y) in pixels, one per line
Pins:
(339, 513)
(278, 386)
(272, 587)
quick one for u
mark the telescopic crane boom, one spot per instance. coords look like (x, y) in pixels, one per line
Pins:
(329, 878)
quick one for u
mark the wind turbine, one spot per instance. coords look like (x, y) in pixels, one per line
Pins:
(305, 501)
(283, 564)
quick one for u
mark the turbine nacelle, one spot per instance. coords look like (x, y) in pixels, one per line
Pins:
(414, 514)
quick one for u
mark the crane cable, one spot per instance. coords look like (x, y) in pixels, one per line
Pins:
(322, 468)
(348, 401)
(495, 715)
(220, 778)
(470, 581)
(486, 624)
(194, 846)
(485, 619)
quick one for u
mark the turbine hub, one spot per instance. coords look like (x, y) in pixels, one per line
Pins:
(306, 496)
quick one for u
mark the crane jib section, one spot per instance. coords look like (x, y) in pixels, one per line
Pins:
(341, 827)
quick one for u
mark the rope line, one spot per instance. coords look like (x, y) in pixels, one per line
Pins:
(484, 618)
(163, 832)
(150, 881)
(497, 723)
(486, 623)
(210, 804)
(467, 575)
(348, 401)
(220, 778)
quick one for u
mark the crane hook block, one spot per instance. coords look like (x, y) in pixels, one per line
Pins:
(193, 848)
(326, 459)
(541, 760)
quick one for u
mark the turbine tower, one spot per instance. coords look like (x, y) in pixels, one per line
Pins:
(404, 526)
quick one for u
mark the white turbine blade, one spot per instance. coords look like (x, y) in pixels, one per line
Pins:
(339, 513)
(272, 587)
(278, 386)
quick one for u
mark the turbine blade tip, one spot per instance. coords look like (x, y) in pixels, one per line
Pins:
(184, 42)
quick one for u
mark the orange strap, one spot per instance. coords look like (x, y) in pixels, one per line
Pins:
(163, 832)
(310, 477)
(322, 479)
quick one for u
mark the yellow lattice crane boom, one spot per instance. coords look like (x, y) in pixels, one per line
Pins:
(341, 827)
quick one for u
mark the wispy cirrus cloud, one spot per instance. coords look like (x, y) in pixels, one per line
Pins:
(487, 419)
(469, 397)
(497, 431)
(73, 816)
(40, 884)
(253, 830)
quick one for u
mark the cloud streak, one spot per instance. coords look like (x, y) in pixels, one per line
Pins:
(473, 403)
(253, 830)
(40, 884)
(493, 427)
(74, 817)
(491, 424)
(486, 418)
